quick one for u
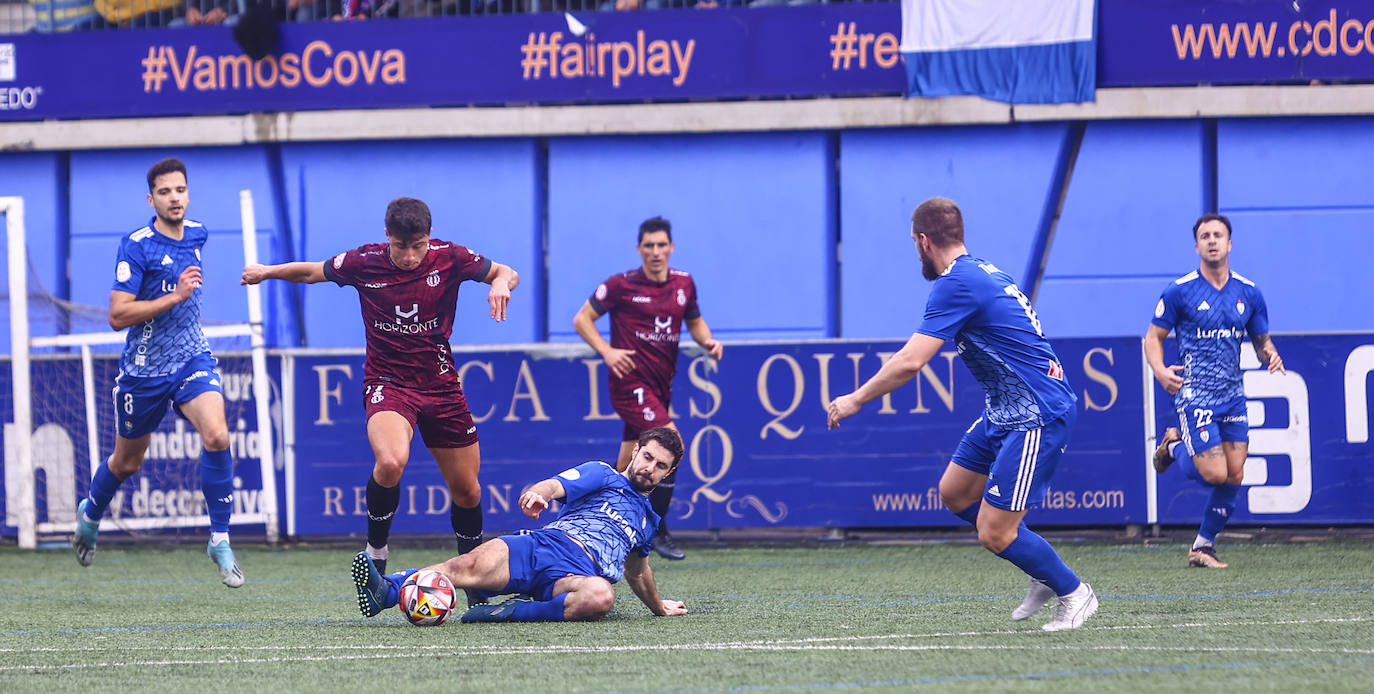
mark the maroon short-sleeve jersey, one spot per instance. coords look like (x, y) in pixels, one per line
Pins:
(408, 314)
(646, 316)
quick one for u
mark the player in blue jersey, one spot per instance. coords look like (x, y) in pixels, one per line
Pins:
(1003, 464)
(1211, 310)
(166, 361)
(565, 570)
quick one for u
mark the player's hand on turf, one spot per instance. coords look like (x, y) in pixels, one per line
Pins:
(1170, 379)
(673, 608)
(620, 362)
(253, 274)
(188, 282)
(532, 504)
(840, 408)
(498, 298)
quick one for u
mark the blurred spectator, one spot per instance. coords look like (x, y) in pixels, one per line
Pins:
(206, 12)
(137, 13)
(65, 15)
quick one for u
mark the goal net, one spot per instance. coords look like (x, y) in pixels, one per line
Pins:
(62, 367)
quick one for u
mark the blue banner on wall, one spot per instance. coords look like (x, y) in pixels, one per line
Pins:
(1309, 438)
(1186, 42)
(724, 53)
(758, 453)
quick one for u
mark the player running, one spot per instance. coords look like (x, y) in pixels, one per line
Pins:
(1002, 466)
(1211, 309)
(408, 291)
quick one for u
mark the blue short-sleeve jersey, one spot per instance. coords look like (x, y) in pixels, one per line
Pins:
(1000, 340)
(148, 266)
(605, 513)
(1211, 324)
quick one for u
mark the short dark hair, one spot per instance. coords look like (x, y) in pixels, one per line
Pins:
(1211, 217)
(940, 220)
(654, 224)
(408, 218)
(166, 166)
(666, 437)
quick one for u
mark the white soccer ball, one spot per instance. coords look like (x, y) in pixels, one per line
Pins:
(426, 598)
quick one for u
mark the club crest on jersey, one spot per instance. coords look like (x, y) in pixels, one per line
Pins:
(123, 272)
(601, 292)
(649, 414)
(681, 297)
(432, 279)
(1240, 307)
(197, 252)
(338, 261)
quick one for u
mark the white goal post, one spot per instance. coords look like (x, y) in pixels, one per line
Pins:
(21, 464)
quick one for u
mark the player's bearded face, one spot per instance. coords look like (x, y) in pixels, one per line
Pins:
(407, 254)
(169, 197)
(1213, 242)
(649, 465)
(928, 269)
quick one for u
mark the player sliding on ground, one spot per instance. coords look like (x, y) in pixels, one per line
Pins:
(565, 570)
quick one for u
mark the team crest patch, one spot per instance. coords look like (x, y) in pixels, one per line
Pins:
(432, 279)
(1204, 436)
(601, 292)
(1240, 307)
(1159, 309)
(197, 252)
(122, 271)
(649, 414)
(338, 261)
(681, 298)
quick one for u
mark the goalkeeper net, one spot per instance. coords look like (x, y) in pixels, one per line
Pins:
(62, 366)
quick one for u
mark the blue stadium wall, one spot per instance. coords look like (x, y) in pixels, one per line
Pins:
(757, 218)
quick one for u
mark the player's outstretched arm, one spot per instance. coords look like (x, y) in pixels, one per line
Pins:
(619, 361)
(306, 272)
(701, 332)
(127, 310)
(641, 580)
(1268, 353)
(535, 499)
(902, 367)
(502, 280)
(1154, 356)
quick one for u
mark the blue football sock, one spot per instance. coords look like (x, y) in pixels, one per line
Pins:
(393, 586)
(103, 488)
(1033, 555)
(549, 611)
(970, 514)
(1219, 509)
(217, 482)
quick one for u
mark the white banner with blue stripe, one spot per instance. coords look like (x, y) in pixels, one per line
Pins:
(1017, 51)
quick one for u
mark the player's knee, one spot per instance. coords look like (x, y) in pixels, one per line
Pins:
(467, 495)
(594, 600)
(995, 540)
(388, 470)
(215, 439)
(1212, 476)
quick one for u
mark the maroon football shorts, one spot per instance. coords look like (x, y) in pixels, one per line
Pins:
(640, 407)
(441, 417)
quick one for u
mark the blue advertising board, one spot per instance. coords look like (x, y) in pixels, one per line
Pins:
(621, 56)
(1187, 42)
(758, 452)
(165, 493)
(1309, 438)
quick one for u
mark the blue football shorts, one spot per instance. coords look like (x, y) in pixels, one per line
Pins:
(1018, 464)
(539, 558)
(141, 403)
(1206, 426)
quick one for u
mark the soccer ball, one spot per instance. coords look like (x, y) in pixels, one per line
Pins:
(426, 598)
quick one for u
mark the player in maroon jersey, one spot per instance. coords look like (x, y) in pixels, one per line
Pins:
(408, 289)
(648, 306)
